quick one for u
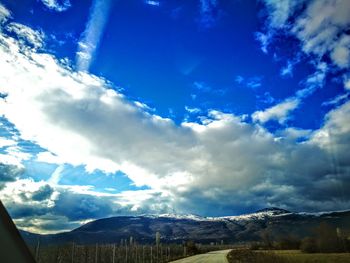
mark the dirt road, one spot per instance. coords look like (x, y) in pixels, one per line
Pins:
(211, 257)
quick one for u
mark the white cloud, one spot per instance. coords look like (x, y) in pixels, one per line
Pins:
(152, 3)
(250, 82)
(334, 135)
(341, 53)
(56, 175)
(6, 142)
(29, 36)
(22, 191)
(192, 110)
(314, 81)
(82, 121)
(4, 13)
(292, 133)
(279, 112)
(43, 207)
(321, 27)
(347, 83)
(12, 154)
(91, 37)
(340, 99)
(287, 70)
(317, 78)
(264, 39)
(37, 84)
(57, 5)
(254, 82)
(280, 11)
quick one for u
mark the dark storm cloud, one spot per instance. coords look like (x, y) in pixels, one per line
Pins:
(23, 210)
(8, 173)
(43, 193)
(81, 206)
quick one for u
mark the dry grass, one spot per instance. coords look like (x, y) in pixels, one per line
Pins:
(295, 256)
(285, 256)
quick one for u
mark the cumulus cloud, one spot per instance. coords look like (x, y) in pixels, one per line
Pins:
(43, 208)
(57, 5)
(27, 197)
(292, 133)
(91, 37)
(322, 27)
(43, 193)
(341, 52)
(220, 161)
(279, 112)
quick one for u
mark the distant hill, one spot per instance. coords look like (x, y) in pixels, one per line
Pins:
(177, 228)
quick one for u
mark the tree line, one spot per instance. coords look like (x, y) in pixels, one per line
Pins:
(127, 251)
(324, 239)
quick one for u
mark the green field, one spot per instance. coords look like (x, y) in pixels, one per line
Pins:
(285, 256)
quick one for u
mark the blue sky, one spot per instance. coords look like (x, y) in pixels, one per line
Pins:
(206, 107)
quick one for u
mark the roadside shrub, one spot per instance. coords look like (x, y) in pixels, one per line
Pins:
(327, 239)
(254, 246)
(309, 245)
(248, 256)
(266, 239)
(191, 248)
(347, 244)
(288, 242)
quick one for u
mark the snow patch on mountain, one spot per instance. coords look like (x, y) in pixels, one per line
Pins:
(258, 215)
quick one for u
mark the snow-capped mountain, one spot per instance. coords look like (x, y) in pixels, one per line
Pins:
(177, 228)
(178, 216)
(258, 215)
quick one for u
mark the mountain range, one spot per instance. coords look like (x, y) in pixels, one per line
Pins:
(175, 228)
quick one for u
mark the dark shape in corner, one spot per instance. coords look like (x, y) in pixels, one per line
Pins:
(12, 246)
